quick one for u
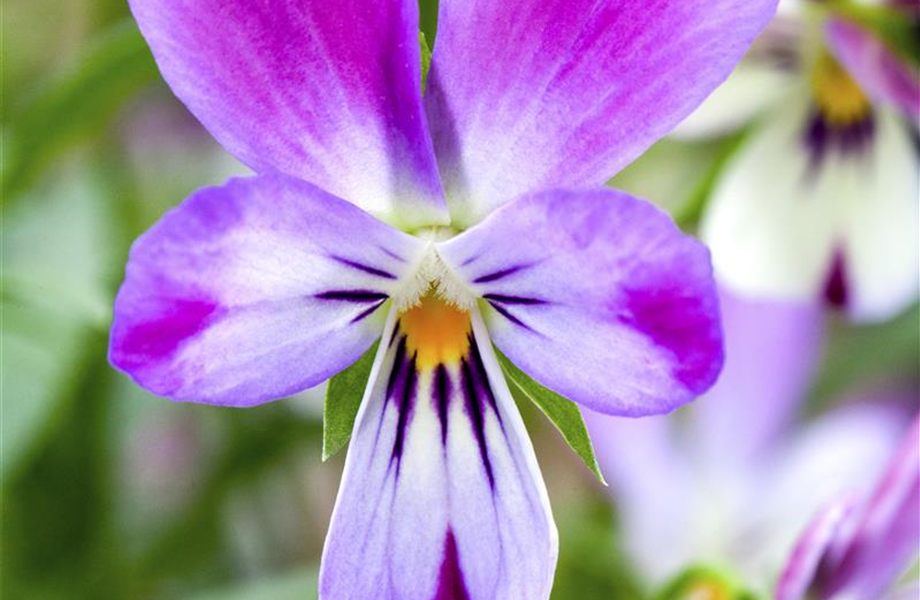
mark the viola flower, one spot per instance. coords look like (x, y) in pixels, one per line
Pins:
(748, 472)
(858, 547)
(820, 201)
(438, 226)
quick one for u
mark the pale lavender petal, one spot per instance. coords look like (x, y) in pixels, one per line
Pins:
(598, 296)
(544, 93)
(841, 451)
(887, 537)
(771, 351)
(661, 535)
(329, 92)
(441, 498)
(881, 73)
(799, 573)
(255, 290)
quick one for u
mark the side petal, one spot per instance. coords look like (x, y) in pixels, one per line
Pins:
(884, 76)
(441, 497)
(598, 296)
(329, 92)
(544, 93)
(253, 291)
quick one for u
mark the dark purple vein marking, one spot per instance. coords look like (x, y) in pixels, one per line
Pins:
(507, 314)
(392, 254)
(505, 299)
(470, 260)
(363, 267)
(405, 410)
(397, 369)
(450, 578)
(475, 411)
(366, 313)
(482, 378)
(496, 275)
(352, 296)
(442, 397)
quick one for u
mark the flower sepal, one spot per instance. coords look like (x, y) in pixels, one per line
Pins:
(344, 393)
(562, 412)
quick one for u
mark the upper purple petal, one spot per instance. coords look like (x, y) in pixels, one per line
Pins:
(255, 290)
(532, 94)
(329, 92)
(598, 296)
(883, 75)
(441, 497)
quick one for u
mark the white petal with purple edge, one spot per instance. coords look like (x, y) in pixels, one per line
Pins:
(597, 296)
(543, 93)
(441, 497)
(329, 92)
(255, 290)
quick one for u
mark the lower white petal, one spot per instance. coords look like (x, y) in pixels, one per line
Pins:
(441, 497)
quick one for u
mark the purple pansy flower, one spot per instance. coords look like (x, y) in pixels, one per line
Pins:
(820, 201)
(858, 547)
(438, 225)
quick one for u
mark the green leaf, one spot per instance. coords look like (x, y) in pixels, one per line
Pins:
(76, 106)
(563, 413)
(426, 57)
(343, 398)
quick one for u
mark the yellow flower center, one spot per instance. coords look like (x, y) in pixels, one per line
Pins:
(436, 332)
(839, 98)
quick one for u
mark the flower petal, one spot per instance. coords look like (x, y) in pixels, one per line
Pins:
(880, 72)
(254, 290)
(887, 536)
(771, 352)
(597, 296)
(776, 220)
(441, 495)
(661, 536)
(880, 233)
(329, 92)
(799, 572)
(838, 452)
(543, 93)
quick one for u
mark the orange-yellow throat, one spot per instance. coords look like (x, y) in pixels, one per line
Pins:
(839, 99)
(436, 332)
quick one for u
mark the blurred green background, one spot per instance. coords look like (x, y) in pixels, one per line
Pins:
(109, 492)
